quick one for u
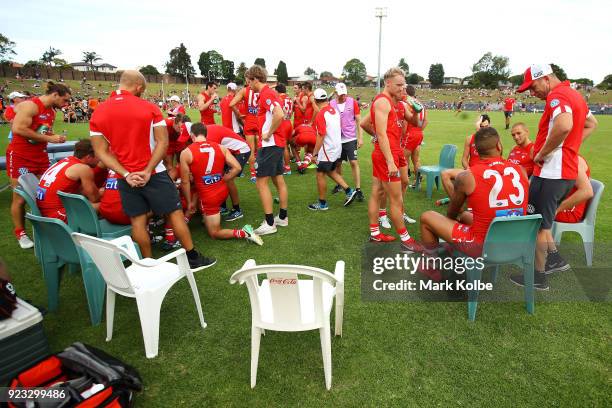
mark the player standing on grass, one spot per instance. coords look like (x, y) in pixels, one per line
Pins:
(129, 136)
(206, 103)
(32, 129)
(508, 109)
(352, 139)
(250, 124)
(387, 159)
(286, 128)
(329, 150)
(229, 118)
(414, 137)
(207, 161)
(269, 163)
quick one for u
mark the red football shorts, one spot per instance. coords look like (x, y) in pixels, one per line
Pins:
(211, 200)
(413, 141)
(569, 217)
(465, 241)
(379, 165)
(305, 139)
(58, 214)
(250, 126)
(16, 166)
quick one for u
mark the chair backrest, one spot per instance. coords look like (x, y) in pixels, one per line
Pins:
(30, 201)
(54, 237)
(591, 212)
(510, 239)
(81, 215)
(29, 184)
(447, 156)
(288, 310)
(107, 256)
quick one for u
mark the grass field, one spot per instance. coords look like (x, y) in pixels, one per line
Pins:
(392, 354)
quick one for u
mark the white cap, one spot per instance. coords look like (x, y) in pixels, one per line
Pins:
(16, 94)
(232, 86)
(341, 89)
(174, 98)
(320, 94)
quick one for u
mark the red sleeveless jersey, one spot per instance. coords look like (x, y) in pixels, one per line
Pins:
(287, 105)
(576, 213)
(309, 112)
(252, 104)
(35, 152)
(522, 156)
(474, 157)
(54, 180)
(207, 167)
(298, 115)
(501, 190)
(394, 124)
(207, 116)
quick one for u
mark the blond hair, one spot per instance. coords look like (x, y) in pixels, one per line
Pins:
(257, 72)
(395, 71)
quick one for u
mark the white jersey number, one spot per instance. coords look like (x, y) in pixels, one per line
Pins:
(211, 157)
(494, 201)
(51, 174)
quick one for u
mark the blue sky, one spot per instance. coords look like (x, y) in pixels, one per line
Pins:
(321, 34)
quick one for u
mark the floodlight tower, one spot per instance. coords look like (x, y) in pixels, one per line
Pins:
(380, 13)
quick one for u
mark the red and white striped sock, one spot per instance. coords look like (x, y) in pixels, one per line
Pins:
(253, 172)
(19, 232)
(404, 235)
(382, 212)
(169, 236)
(238, 233)
(374, 230)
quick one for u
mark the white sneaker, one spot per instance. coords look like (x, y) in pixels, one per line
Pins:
(252, 236)
(408, 219)
(25, 242)
(281, 223)
(265, 229)
(384, 222)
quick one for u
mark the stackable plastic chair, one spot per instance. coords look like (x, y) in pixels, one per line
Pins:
(147, 280)
(283, 302)
(56, 249)
(82, 217)
(26, 189)
(509, 241)
(6, 185)
(432, 173)
(586, 228)
(29, 183)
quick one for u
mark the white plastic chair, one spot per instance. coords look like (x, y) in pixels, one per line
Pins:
(148, 280)
(586, 228)
(283, 302)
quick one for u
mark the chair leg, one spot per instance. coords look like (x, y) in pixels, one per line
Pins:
(196, 298)
(72, 268)
(149, 308)
(528, 279)
(110, 313)
(557, 233)
(494, 274)
(430, 181)
(588, 240)
(472, 276)
(339, 319)
(325, 334)
(255, 341)
(95, 286)
(51, 273)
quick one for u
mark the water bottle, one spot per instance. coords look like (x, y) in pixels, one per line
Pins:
(415, 105)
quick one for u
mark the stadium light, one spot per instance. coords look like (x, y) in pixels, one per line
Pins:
(380, 13)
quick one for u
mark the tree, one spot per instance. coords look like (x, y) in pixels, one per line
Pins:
(49, 55)
(227, 70)
(60, 62)
(489, 70)
(6, 48)
(436, 75)
(149, 70)
(310, 71)
(260, 61)
(325, 74)
(606, 83)
(354, 71)
(179, 63)
(240, 72)
(559, 72)
(211, 64)
(404, 66)
(583, 81)
(282, 76)
(516, 80)
(33, 64)
(90, 57)
(414, 79)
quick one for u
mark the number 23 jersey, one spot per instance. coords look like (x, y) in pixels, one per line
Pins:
(501, 190)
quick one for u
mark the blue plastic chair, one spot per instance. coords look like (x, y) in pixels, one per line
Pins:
(2, 168)
(432, 173)
(509, 241)
(586, 228)
(58, 249)
(82, 217)
(30, 200)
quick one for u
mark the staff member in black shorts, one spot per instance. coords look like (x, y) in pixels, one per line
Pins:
(121, 129)
(565, 123)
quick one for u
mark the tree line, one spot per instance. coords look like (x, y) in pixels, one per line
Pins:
(487, 72)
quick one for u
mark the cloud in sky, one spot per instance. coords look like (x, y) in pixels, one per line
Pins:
(321, 34)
